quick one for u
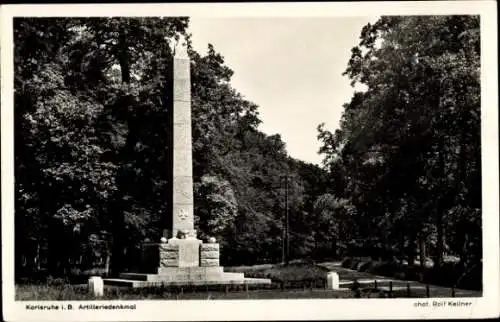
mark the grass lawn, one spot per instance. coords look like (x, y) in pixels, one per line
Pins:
(417, 289)
(296, 281)
(280, 273)
(301, 281)
(77, 292)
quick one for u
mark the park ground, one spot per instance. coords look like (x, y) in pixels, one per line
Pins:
(296, 281)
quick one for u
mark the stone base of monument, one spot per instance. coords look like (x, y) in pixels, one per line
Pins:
(181, 262)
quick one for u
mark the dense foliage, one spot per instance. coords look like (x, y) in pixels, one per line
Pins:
(92, 149)
(401, 176)
(408, 150)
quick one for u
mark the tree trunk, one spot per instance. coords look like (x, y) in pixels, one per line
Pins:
(117, 256)
(334, 247)
(421, 246)
(54, 248)
(401, 253)
(315, 252)
(37, 258)
(123, 57)
(439, 247)
(462, 160)
(440, 208)
(19, 253)
(422, 254)
(411, 249)
(118, 244)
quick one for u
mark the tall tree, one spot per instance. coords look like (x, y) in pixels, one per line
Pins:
(92, 146)
(403, 141)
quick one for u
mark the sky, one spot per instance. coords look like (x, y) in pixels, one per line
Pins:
(291, 67)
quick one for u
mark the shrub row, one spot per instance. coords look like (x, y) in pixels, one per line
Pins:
(281, 273)
(449, 274)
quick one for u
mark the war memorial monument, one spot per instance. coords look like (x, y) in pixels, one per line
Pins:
(181, 258)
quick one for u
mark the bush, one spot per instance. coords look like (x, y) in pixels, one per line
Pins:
(473, 279)
(361, 263)
(387, 268)
(57, 281)
(354, 264)
(446, 275)
(292, 272)
(365, 266)
(35, 277)
(346, 263)
(303, 261)
(412, 273)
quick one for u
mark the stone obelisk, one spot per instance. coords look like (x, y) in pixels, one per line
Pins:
(183, 258)
(182, 203)
(183, 248)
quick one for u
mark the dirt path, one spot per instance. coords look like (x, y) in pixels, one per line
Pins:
(348, 276)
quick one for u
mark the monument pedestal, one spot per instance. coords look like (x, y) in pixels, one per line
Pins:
(181, 262)
(180, 253)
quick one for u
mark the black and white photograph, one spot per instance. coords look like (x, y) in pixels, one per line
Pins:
(175, 162)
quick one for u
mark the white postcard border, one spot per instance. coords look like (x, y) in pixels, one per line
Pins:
(487, 306)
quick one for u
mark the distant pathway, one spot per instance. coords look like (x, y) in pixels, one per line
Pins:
(347, 277)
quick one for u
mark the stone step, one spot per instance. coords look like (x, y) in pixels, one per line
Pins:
(249, 280)
(134, 276)
(184, 274)
(368, 281)
(231, 275)
(401, 288)
(123, 282)
(139, 283)
(181, 277)
(171, 271)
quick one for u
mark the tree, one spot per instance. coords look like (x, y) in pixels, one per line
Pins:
(92, 147)
(77, 125)
(216, 207)
(333, 224)
(401, 142)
